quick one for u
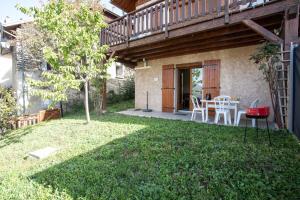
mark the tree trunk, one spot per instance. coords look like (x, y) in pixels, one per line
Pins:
(274, 99)
(86, 101)
(104, 104)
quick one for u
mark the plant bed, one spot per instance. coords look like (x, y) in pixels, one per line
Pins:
(27, 120)
(45, 115)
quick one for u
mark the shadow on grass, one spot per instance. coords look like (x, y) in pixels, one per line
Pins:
(178, 160)
(14, 137)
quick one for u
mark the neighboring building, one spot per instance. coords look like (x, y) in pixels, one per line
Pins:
(199, 48)
(13, 61)
(13, 64)
(6, 53)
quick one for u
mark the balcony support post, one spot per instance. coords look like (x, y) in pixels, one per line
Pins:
(128, 29)
(227, 12)
(166, 18)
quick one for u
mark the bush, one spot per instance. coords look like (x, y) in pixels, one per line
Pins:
(112, 97)
(127, 92)
(7, 107)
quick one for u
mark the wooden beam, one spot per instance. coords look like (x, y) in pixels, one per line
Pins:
(112, 54)
(226, 11)
(189, 65)
(225, 31)
(199, 48)
(127, 63)
(262, 31)
(193, 51)
(202, 43)
(4, 31)
(291, 26)
(244, 35)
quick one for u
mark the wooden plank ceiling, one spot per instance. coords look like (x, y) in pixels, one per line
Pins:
(235, 35)
(125, 5)
(128, 5)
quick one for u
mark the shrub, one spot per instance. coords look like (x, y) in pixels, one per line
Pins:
(113, 97)
(128, 89)
(7, 107)
(127, 92)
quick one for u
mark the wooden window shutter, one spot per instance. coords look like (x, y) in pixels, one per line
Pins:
(211, 78)
(168, 88)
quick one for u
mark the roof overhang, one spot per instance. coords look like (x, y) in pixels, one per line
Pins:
(110, 14)
(125, 5)
(12, 24)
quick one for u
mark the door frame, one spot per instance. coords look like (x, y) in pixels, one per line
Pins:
(177, 82)
(189, 66)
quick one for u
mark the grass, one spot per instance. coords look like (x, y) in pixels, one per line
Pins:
(120, 106)
(121, 157)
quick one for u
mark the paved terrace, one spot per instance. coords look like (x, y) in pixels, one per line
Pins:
(186, 116)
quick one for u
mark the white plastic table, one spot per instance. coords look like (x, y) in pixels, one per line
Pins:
(212, 104)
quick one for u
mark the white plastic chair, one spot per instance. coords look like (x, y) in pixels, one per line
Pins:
(243, 112)
(221, 107)
(197, 108)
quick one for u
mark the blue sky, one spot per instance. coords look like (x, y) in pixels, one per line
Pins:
(7, 8)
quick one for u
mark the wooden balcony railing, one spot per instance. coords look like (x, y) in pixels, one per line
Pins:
(164, 15)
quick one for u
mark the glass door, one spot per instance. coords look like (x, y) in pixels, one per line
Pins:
(197, 83)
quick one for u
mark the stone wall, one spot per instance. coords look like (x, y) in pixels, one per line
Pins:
(239, 77)
(114, 83)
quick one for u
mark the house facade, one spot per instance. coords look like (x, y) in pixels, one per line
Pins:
(202, 48)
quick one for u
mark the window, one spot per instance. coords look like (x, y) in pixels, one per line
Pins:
(5, 47)
(119, 70)
(45, 66)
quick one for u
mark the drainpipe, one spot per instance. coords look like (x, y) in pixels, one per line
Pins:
(291, 89)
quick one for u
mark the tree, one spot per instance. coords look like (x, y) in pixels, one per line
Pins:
(267, 59)
(72, 49)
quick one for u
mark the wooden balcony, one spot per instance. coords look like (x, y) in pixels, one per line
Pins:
(176, 27)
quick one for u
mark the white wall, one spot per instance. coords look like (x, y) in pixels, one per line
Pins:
(6, 70)
(111, 71)
(33, 104)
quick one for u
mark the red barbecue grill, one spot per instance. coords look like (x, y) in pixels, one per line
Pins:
(257, 113)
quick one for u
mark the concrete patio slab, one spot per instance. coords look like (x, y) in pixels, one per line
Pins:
(43, 153)
(184, 116)
(155, 114)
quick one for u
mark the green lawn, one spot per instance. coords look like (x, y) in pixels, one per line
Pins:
(120, 157)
